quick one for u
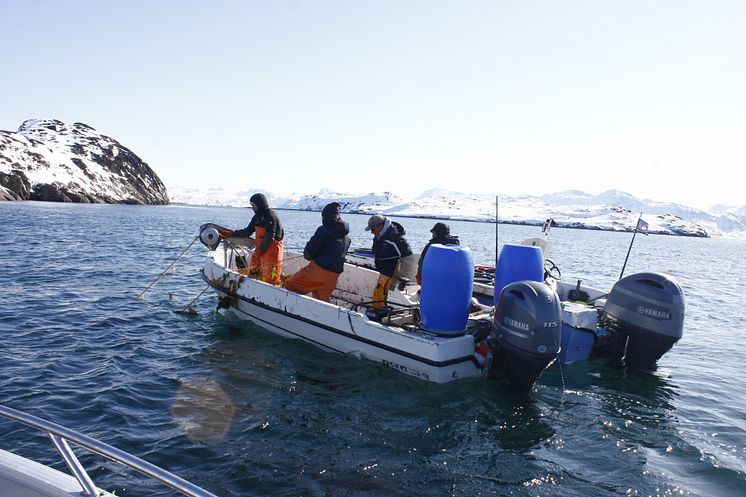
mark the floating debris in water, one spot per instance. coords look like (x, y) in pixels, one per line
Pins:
(189, 311)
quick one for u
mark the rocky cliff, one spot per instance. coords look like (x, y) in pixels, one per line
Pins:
(53, 161)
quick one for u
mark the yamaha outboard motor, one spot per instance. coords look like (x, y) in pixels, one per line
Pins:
(646, 312)
(526, 335)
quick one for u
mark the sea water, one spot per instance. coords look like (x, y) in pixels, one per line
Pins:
(240, 411)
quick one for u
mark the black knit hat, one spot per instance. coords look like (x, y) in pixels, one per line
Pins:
(260, 201)
(441, 230)
(330, 212)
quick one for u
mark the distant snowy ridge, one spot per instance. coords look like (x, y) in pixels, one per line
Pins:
(49, 160)
(612, 210)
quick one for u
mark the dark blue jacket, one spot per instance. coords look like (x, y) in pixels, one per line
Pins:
(389, 247)
(328, 246)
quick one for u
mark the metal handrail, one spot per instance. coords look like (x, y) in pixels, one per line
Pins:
(61, 435)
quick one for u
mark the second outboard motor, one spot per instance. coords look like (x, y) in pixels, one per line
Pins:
(526, 335)
(646, 312)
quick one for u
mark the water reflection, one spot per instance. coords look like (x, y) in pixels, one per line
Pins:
(656, 386)
(202, 410)
(522, 426)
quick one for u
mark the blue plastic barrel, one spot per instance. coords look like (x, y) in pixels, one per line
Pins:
(447, 283)
(518, 263)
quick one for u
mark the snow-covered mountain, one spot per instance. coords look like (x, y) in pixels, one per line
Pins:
(49, 160)
(611, 210)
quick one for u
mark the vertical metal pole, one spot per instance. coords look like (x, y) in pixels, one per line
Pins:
(630, 246)
(497, 223)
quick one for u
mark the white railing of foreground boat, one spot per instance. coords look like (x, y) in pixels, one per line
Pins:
(60, 437)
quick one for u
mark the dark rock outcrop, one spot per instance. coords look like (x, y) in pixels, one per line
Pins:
(15, 185)
(52, 161)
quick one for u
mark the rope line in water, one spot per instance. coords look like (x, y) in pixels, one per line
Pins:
(188, 308)
(139, 297)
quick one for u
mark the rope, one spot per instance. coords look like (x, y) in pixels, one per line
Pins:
(189, 305)
(255, 272)
(139, 297)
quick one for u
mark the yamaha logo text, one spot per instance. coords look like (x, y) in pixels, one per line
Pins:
(514, 323)
(653, 313)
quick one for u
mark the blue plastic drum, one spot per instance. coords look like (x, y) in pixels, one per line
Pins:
(518, 263)
(447, 283)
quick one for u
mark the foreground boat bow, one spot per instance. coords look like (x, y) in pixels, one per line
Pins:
(22, 477)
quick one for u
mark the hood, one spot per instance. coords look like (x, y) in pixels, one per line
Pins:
(330, 214)
(260, 201)
(386, 225)
(338, 229)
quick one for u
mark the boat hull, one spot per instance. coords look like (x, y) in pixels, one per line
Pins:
(344, 330)
(350, 325)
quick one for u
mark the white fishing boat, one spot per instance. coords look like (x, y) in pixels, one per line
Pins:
(451, 327)
(23, 477)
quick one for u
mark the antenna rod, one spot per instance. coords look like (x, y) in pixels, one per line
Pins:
(630, 245)
(496, 228)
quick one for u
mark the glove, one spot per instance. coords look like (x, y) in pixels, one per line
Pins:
(226, 233)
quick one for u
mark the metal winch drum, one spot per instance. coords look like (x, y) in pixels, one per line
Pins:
(526, 333)
(209, 235)
(646, 310)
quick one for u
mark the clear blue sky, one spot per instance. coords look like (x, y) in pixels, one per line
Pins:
(501, 97)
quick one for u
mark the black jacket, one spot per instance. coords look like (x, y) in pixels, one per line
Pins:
(389, 247)
(328, 246)
(443, 240)
(263, 217)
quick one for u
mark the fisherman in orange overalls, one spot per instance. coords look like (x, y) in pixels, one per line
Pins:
(326, 252)
(266, 261)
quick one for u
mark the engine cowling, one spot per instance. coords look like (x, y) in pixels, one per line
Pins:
(526, 333)
(646, 310)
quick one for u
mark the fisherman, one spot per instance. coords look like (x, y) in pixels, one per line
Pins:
(326, 251)
(389, 247)
(442, 235)
(266, 261)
